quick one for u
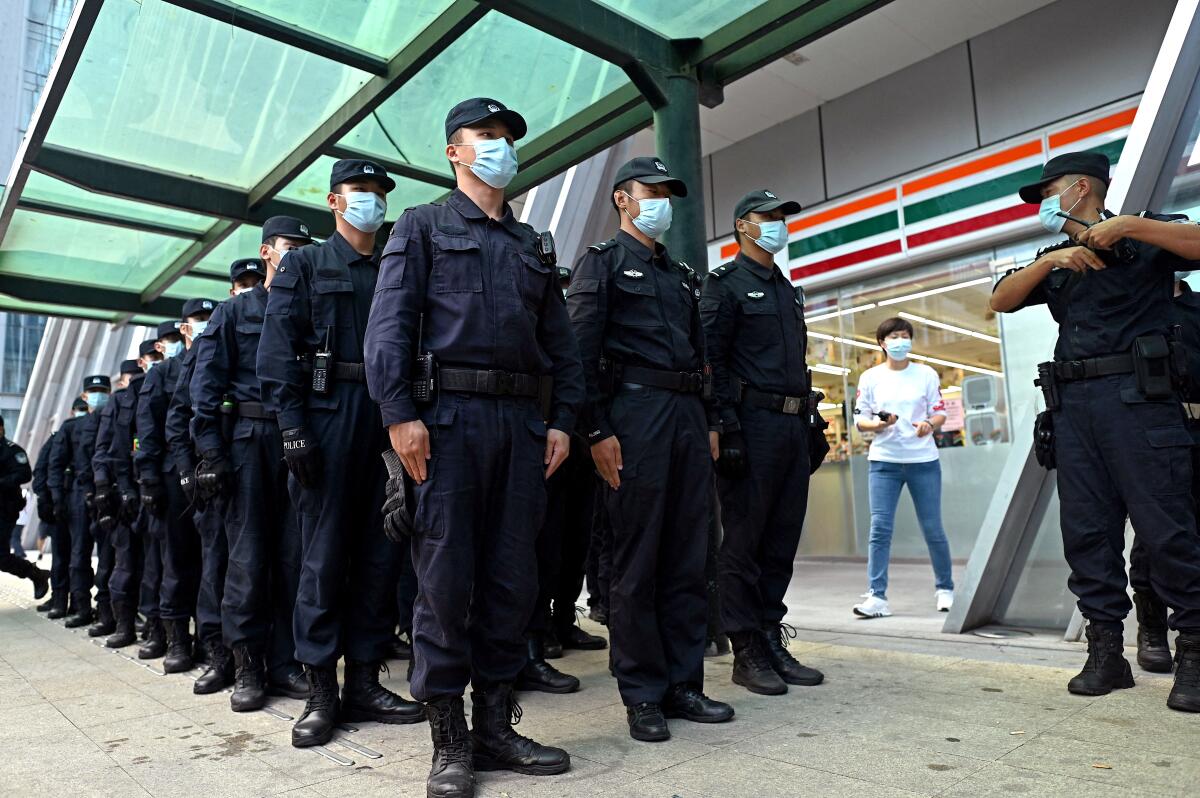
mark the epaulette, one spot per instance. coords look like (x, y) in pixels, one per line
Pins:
(723, 269)
(603, 245)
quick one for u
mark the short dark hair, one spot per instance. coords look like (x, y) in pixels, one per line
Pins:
(889, 326)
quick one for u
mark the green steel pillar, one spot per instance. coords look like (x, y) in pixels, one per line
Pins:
(677, 141)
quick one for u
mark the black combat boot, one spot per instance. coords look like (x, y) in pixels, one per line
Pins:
(541, 675)
(249, 681)
(320, 715)
(452, 774)
(155, 644)
(574, 637)
(289, 684)
(41, 584)
(1154, 652)
(784, 663)
(179, 646)
(647, 723)
(1106, 668)
(82, 616)
(364, 698)
(219, 671)
(399, 647)
(48, 604)
(551, 647)
(105, 623)
(497, 747)
(124, 634)
(752, 666)
(1185, 695)
(690, 703)
(60, 607)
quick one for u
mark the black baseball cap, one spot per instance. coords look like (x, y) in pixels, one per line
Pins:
(97, 382)
(352, 168)
(650, 170)
(243, 265)
(469, 113)
(146, 347)
(194, 307)
(763, 201)
(286, 226)
(130, 367)
(79, 404)
(167, 328)
(1092, 164)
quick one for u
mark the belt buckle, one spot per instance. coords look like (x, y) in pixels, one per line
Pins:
(505, 382)
(1075, 369)
(693, 381)
(791, 405)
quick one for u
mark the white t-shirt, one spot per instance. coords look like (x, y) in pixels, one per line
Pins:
(913, 395)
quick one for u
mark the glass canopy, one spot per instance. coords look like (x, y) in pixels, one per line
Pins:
(170, 130)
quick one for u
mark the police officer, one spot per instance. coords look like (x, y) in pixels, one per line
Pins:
(207, 516)
(124, 507)
(242, 461)
(755, 337)
(634, 311)
(310, 364)
(466, 286)
(58, 483)
(169, 519)
(73, 494)
(15, 472)
(48, 523)
(1121, 444)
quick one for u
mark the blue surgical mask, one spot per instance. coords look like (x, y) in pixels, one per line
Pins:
(898, 348)
(96, 399)
(772, 236)
(198, 328)
(654, 216)
(78, 413)
(364, 210)
(495, 162)
(173, 348)
(1048, 211)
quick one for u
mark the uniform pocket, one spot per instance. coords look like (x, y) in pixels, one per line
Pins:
(456, 265)
(534, 279)
(636, 304)
(1169, 467)
(331, 295)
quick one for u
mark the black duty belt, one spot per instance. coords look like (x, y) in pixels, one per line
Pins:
(350, 372)
(254, 410)
(680, 381)
(1092, 367)
(491, 382)
(788, 405)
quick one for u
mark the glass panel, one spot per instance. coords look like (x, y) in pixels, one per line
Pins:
(85, 253)
(680, 19)
(226, 106)
(47, 189)
(379, 28)
(312, 186)
(545, 79)
(12, 304)
(1183, 190)
(241, 243)
(191, 286)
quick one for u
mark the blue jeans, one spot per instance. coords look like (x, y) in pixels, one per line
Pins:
(924, 482)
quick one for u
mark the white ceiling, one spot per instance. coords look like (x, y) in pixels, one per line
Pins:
(884, 41)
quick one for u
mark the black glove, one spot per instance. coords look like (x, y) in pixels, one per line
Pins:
(107, 522)
(187, 482)
(131, 503)
(397, 510)
(214, 475)
(302, 456)
(89, 502)
(45, 511)
(104, 500)
(154, 496)
(62, 511)
(732, 462)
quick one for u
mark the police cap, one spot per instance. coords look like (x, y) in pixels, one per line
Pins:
(469, 113)
(286, 226)
(1092, 164)
(97, 382)
(650, 170)
(195, 307)
(243, 265)
(147, 346)
(763, 201)
(130, 367)
(349, 169)
(167, 328)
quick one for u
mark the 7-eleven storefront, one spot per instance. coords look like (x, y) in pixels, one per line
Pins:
(927, 247)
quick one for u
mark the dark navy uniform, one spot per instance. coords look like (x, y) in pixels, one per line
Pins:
(101, 480)
(14, 472)
(132, 550)
(71, 482)
(1120, 454)
(264, 542)
(49, 524)
(489, 304)
(756, 338)
(637, 309)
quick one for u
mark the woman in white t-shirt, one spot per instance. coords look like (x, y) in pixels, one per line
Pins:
(901, 402)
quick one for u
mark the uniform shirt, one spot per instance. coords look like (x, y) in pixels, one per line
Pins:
(41, 471)
(754, 332)
(912, 394)
(104, 430)
(72, 454)
(14, 472)
(177, 424)
(225, 364)
(471, 290)
(317, 298)
(1187, 307)
(1103, 312)
(124, 436)
(150, 454)
(636, 307)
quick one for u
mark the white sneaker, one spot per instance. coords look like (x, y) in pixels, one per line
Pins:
(945, 600)
(873, 607)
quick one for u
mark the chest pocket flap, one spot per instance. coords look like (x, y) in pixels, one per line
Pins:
(758, 307)
(327, 291)
(456, 266)
(636, 287)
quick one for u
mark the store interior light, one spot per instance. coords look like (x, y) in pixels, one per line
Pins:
(836, 313)
(941, 325)
(829, 406)
(952, 389)
(925, 358)
(933, 291)
(822, 368)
